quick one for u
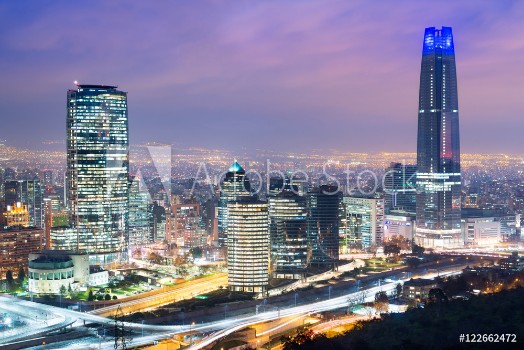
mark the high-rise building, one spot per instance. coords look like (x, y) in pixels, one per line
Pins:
(292, 253)
(48, 222)
(235, 185)
(15, 246)
(323, 217)
(159, 222)
(438, 147)
(248, 245)
(400, 193)
(140, 215)
(47, 178)
(16, 216)
(30, 193)
(285, 206)
(2, 194)
(189, 229)
(364, 221)
(98, 170)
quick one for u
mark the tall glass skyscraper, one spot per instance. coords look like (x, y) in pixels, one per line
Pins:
(288, 240)
(140, 214)
(235, 185)
(438, 145)
(400, 188)
(323, 216)
(98, 170)
(248, 245)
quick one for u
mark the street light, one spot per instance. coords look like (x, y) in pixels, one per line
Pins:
(190, 333)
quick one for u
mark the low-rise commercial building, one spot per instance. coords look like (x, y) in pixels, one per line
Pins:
(418, 288)
(49, 270)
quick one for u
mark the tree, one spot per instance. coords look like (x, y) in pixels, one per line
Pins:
(69, 289)
(62, 290)
(398, 289)
(107, 297)
(381, 302)
(373, 250)
(391, 249)
(21, 276)
(418, 249)
(9, 277)
(436, 295)
(355, 299)
(182, 271)
(413, 262)
(155, 258)
(196, 252)
(402, 242)
(303, 338)
(90, 295)
(115, 297)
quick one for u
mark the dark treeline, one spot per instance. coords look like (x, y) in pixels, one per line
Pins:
(437, 326)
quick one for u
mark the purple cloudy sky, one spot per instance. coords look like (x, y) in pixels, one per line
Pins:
(291, 75)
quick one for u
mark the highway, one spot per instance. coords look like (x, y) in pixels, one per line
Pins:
(220, 328)
(184, 291)
(38, 322)
(326, 305)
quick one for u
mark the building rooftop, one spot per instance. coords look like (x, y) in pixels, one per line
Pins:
(45, 262)
(236, 168)
(93, 86)
(420, 282)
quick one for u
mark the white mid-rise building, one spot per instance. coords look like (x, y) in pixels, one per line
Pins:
(364, 220)
(49, 270)
(481, 231)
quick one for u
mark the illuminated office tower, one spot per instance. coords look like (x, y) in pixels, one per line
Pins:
(292, 253)
(140, 215)
(98, 170)
(2, 194)
(235, 185)
(438, 147)
(323, 217)
(248, 245)
(159, 222)
(364, 221)
(30, 193)
(288, 248)
(400, 193)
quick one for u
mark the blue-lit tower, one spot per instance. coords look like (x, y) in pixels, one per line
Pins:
(438, 145)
